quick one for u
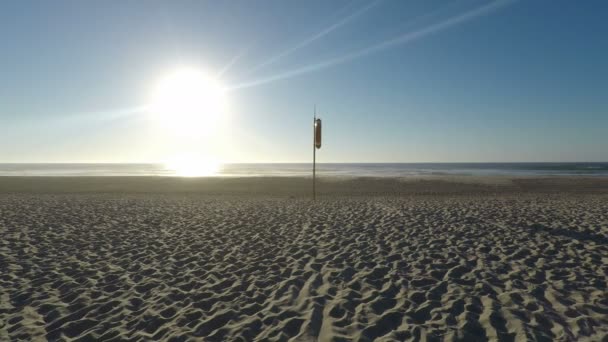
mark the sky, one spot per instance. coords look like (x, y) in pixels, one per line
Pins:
(392, 80)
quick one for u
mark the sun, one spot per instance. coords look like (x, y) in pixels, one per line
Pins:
(188, 101)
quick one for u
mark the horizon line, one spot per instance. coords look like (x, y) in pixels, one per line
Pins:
(309, 162)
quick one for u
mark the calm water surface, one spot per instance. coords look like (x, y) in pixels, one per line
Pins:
(337, 170)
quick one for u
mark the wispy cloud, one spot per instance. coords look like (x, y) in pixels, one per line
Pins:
(396, 41)
(110, 114)
(315, 37)
(233, 61)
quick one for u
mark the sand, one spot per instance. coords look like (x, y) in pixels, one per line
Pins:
(429, 259)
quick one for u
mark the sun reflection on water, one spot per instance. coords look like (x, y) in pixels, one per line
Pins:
(192, 166)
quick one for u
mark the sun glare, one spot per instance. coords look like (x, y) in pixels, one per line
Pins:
(188, 101)
(193, 166)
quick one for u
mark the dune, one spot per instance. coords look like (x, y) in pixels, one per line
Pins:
(178, 260)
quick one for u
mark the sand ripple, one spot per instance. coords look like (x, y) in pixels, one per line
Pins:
(103, 267)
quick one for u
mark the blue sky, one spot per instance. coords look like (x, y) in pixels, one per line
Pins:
(394, 81)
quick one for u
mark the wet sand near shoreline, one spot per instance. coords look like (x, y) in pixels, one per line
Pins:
(302, 187)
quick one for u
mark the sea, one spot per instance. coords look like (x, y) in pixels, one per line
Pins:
(595, 169)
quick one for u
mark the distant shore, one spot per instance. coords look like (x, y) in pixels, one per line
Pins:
(301, 186)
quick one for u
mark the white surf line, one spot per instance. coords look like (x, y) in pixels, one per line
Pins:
(402, 39)
(315, 37)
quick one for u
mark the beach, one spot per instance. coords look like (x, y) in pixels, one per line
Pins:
(243, 259)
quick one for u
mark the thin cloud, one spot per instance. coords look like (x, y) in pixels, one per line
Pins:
(396, 41)
(233, 61)
(111, 114)
(317, 36)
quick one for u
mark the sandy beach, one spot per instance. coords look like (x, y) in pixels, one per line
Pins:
(255, 259)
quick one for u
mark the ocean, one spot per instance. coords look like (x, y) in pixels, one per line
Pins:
(323, 169)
